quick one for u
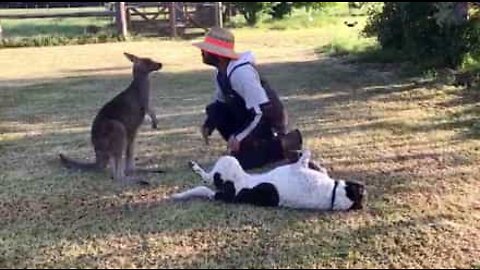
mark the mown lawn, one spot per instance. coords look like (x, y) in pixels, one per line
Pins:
(415, 145)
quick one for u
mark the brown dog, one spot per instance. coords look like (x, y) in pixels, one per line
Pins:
(116, 125)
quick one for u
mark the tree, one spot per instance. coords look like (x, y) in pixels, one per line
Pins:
(278, 10)
(311, 5)
(250, 10)
(428, 33)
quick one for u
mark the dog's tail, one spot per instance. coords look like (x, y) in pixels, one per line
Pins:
(197, 192)
(72, 164)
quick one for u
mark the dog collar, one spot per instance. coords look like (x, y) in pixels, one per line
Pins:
(334, 194)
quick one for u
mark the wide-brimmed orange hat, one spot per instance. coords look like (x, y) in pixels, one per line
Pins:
(219, 41)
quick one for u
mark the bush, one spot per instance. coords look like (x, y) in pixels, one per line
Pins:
(425, 32)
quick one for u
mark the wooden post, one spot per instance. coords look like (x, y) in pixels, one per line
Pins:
(461, 12)
(229, 14)
(121, 19)
(173, 19)
(218, 14)
(128, 17)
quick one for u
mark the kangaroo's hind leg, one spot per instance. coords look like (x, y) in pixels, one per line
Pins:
(130, 155)
(116, 135)
(130, 167)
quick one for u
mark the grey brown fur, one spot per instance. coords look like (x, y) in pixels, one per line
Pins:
(115, 127)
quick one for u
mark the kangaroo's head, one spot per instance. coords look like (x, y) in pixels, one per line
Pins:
(143, 65)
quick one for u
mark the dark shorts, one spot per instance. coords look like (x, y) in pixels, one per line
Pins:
(259, 148)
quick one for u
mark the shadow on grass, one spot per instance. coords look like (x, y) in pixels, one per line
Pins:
(44, 205)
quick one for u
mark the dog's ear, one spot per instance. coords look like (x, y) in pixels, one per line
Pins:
(131, 57)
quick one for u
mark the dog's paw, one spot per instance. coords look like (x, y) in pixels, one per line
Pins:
(305, 158)
(306, 154)
(154, 125)
(195, 167)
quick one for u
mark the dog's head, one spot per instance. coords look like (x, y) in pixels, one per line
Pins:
(356, 193)
(143, 65)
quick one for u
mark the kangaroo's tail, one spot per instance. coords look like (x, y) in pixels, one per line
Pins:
(73, 164)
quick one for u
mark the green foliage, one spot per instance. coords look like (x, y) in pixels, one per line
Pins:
(57, 40)
(250, 10)
(430, 34)
(277, 10)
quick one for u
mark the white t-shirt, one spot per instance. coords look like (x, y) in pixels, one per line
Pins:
(245, 80)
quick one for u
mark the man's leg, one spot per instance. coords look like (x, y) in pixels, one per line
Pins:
(262, 148)
(259, 154)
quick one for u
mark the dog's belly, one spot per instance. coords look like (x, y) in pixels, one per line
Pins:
(302, 189)
(301, 200)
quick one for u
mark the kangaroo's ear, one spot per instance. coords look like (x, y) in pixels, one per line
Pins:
(131, 57)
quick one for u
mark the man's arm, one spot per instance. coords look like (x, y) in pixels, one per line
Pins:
(207, 129)
(246, 82)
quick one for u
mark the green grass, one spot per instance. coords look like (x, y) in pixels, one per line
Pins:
(333, 15)
(414, 145)
(348, 45)
(69, 27)
(67, 31)
(55, 31)
(58, 26)
(331, 22)
(351, 43)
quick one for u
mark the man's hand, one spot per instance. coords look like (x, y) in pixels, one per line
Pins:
(205, 133)
(233, 144)
(152, 115)
(154, 124)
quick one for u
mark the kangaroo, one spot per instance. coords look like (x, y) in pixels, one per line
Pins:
(115, 127)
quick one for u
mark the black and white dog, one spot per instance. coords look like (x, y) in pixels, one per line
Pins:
(294, 186)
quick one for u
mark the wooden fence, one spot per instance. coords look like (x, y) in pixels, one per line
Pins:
(177, 18)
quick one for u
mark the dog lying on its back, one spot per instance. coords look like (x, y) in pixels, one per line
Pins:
(294, 186)
(115, 127)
